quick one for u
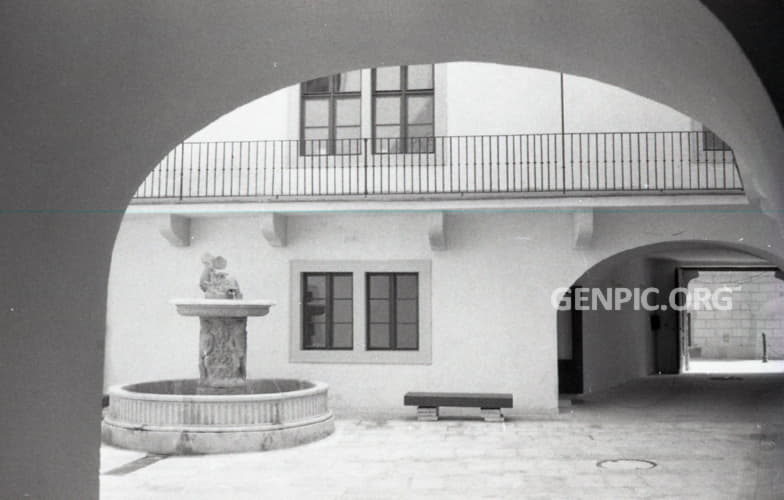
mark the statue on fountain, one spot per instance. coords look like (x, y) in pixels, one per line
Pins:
(214, 282)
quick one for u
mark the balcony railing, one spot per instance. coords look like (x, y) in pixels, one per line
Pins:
(524, 165)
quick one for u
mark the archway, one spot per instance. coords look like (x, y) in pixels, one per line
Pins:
(98, 94)
(625, 315)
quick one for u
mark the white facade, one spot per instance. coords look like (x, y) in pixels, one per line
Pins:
(486, 319)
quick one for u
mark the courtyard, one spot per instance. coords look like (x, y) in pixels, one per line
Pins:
(710, 436)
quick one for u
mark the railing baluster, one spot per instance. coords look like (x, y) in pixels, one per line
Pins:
(596, 162)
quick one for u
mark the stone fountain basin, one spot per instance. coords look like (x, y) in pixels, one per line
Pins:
(173, 417)
(222, 308)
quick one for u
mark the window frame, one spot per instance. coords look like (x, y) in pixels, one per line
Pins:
(393, 322)
(360, 354)
(329, 306)
(403, 93)
(332, 97)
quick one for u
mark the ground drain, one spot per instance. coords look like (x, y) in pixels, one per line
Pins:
(626, 464)
(729, 377)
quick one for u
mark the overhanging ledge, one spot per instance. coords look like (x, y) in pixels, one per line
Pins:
(653, 202)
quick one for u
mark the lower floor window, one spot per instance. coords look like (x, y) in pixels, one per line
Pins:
(392, 311)
(327, 311)
(361, 311)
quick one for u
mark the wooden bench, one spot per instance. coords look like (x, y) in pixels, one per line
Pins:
(427, 403)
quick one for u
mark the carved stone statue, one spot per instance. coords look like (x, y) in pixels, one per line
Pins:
(215, 283)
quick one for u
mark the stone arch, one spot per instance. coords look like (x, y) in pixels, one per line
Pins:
(96, 95)
(583, 343)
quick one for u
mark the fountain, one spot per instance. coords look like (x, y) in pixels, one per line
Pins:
(222, 411)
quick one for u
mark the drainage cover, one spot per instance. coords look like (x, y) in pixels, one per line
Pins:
(730, 377)
(626, 464)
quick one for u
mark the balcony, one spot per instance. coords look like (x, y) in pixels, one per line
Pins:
(522, 165)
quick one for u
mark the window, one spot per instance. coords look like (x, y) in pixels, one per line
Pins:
(330, 114)
(403, 113)
(392, 311)
(323, 290)
(712, 142)
(327, 311)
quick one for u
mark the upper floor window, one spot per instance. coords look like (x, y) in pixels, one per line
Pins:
(327, 311)
(330, 114)
(403, 115)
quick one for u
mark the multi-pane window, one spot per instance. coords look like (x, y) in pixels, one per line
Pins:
(331, 116)
(403, 106)
(392, 311)
(327, 311)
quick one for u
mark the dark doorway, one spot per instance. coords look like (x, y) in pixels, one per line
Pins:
(570, 348)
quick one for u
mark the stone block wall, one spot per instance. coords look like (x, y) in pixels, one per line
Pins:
(737, 333)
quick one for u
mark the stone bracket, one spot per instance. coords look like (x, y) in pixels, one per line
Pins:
(436, 231)
(583, 228)
(273, 227)
(177, 230)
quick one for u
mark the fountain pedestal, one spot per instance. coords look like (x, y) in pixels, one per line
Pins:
(222, 411)
(222, 338)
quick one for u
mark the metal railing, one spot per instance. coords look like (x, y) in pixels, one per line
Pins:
(522, 164)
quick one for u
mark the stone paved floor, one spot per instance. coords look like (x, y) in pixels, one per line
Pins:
(710, 439)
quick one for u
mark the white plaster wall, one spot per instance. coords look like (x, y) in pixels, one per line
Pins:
(617, 345)
(480, 98)
(264, 118)
(487, 98)
(493, 325)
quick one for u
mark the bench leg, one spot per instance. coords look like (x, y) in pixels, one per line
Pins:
(427, 414)
(492, 415)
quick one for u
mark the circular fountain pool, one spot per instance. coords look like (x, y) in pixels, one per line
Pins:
(183, 417)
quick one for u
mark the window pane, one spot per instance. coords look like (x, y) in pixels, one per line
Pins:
(316, 112)
(420, 131)
(315, 336)
(342, 286)
(317, 85)
(407, 286)
(342, 336)
(406, 311)
(316, 133)
(388, 139)
(379, 337)
(347, 112)
(316, 147)
(388, 78)
(379, 311)
(379, 286)
(407, 337)
(421, 145)
(348, 82)
(347, 133)
(420, 109)
(342, 311)
(315, 287)
(348, 141)
(315, 311)
(420, 76)
(387, 110)
(392, 131)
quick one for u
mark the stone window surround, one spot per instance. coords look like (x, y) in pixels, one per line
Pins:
(360, 354)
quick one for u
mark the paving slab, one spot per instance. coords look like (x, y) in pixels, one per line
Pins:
(709, 439)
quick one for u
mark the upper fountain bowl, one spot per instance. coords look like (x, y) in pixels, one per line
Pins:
(222, 308)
